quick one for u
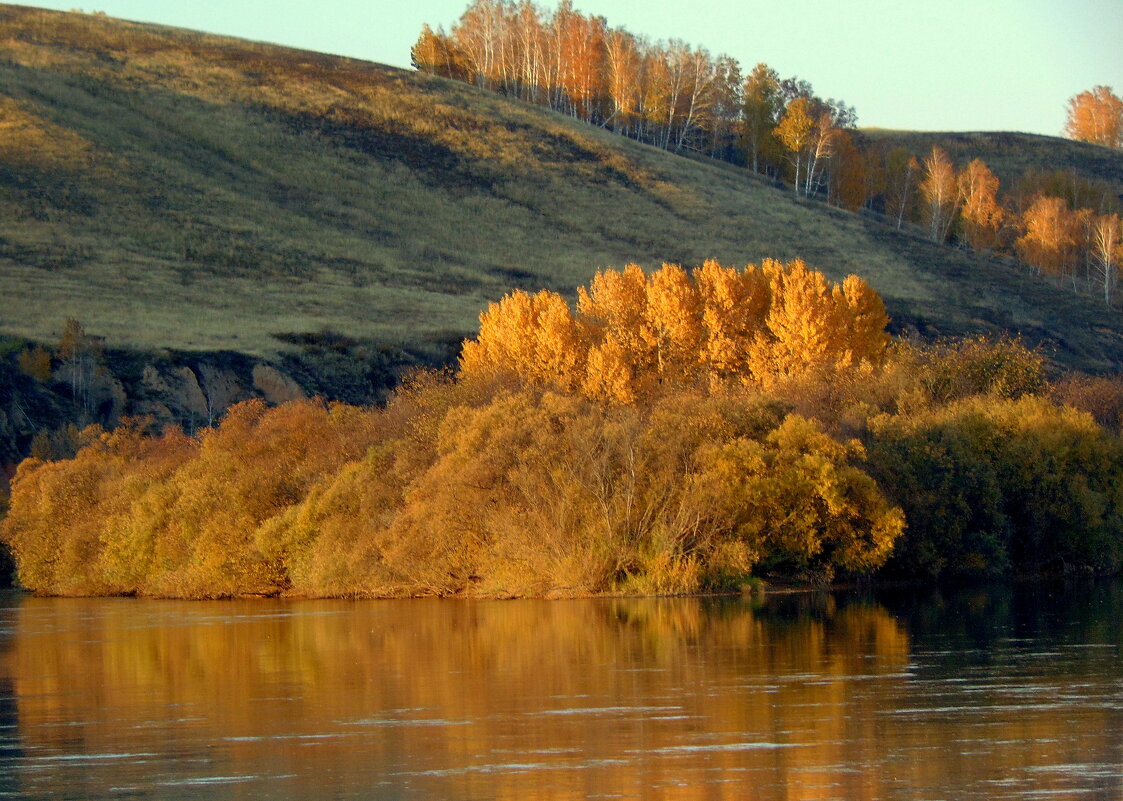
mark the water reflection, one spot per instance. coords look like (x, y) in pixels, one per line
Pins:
(686, 698)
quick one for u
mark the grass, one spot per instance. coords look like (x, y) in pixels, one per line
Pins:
(1012, 155)
(212, 193)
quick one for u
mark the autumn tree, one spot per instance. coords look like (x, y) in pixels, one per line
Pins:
(760, 114)
(981, 213)
(801, 500)
(940, 193)
(1096, 116)
(536, 332)
(437, 54)
(635, 335)
(811, 326)
(847, 181)
(822, 148)
(794, 132)
(901, 175)
(1050, 238)
(725, 107)
(477, 35)
(696, 112)
(734, 305)
(582, 43)
(36, 362)
(622, 68)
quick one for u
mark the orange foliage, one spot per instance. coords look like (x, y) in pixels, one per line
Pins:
(634, 335)
(172, 515)
(1050, 238)
(450, 489)
(1096, 116)
(982, 215)
(848, 178)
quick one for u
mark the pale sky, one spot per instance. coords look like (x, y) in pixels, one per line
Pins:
(953, 65)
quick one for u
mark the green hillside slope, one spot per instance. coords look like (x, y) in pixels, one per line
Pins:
(179, 190)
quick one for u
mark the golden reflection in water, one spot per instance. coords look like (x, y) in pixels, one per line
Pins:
(677, 699)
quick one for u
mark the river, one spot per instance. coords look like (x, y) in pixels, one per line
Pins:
(980, 693)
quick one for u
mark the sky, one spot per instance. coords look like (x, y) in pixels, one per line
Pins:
(936, 65)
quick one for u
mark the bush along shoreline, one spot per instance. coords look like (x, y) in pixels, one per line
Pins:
(675, 432)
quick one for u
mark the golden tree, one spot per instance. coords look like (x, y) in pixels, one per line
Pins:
(794, 132)
(802, 325)
(1096, 116)
(940, 193)
(536, 332)
(861, 320)
(982, 215)
(622, 71)
(673, 329)
(436, 53)
(734, 304)
(635, 335)
(1050, 237)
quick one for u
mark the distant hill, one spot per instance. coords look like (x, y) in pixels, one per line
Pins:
(178, 190)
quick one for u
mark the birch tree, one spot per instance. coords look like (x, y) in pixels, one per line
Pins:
(1106, 253)
(982, 215)
(940, 193)
(1096, 116)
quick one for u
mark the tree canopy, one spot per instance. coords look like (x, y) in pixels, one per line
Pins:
(1096, 116)
(634, 334)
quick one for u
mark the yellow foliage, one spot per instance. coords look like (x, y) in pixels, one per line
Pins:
(798, 496)
(454, 488)
(734, 305)
(802, 323)
(673, 329)
(537, 331)
(635, 335)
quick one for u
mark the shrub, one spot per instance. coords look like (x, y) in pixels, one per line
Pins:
(992, 485)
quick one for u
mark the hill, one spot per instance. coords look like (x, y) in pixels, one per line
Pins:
(1012, 155)
(173, 189)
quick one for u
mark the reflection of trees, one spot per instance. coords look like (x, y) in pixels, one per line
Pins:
(675, 692)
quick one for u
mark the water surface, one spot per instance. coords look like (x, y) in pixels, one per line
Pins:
(979, 694)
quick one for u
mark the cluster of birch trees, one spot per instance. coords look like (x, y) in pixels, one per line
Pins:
(1057, 224)
(669, 94)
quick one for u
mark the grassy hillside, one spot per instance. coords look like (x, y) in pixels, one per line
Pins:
(1011, 155)
(178, 190)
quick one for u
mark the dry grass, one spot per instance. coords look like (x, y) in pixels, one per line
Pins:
(234, 190)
